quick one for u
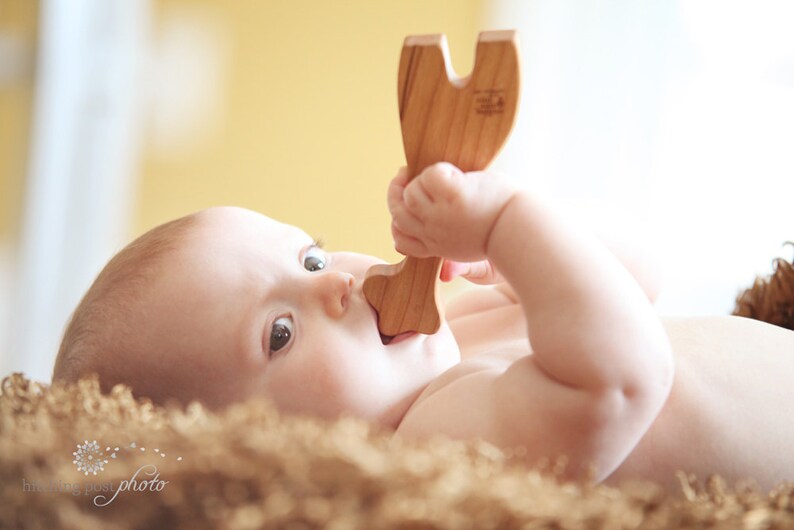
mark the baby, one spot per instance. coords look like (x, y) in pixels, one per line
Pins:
(562, 355)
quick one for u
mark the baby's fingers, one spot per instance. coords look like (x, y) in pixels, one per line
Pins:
(402, 177)
(394, 195)
(408, 245)
(452, 269)
(407, 223)
(441, 180)
(416, 198)
(479, 272)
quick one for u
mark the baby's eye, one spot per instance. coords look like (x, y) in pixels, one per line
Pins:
(281, 333)
(314, 259)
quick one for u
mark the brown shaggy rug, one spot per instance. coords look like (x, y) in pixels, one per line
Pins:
(71, 457)
(771, 299)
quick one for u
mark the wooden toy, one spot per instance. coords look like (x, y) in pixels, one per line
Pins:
(443, 118)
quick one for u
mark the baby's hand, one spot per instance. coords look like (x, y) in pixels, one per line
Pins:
(479, 272)
(443, 212)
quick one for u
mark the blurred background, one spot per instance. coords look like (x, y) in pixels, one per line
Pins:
(671, 120)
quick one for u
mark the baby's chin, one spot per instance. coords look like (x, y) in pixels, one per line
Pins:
(449, 344)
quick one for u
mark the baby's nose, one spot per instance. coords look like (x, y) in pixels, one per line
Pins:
(334, 289)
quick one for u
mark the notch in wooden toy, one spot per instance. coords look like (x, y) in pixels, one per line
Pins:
(464, 121)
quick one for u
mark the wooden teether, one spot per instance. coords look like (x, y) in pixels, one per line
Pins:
(443, 118)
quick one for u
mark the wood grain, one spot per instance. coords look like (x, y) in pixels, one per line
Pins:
(443, 118)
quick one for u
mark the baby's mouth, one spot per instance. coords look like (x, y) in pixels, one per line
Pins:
(388, 339)
(385, 339)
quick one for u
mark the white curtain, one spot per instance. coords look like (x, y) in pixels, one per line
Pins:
(678, 114)
(79, 187)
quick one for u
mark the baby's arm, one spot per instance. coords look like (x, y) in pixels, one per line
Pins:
(631, 252)
(591, 326)
(593, 332)
(634, 257)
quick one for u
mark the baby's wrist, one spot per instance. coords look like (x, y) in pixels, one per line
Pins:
(510, 197)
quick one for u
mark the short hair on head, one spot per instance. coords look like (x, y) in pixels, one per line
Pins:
(106, 308)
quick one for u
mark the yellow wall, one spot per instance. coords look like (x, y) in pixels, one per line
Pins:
(310, 132)
(18, 18)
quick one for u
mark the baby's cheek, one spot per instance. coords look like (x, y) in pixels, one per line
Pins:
(316, 386)
(343, 384)
(330, 379)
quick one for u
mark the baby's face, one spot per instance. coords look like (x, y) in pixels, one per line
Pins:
(249, 306)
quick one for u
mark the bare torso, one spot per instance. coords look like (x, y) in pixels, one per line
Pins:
(728, 411)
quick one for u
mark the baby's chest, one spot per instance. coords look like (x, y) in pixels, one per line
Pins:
(723, 414)
(498, 330)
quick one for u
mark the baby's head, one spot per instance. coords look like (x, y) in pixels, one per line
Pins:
(227, 304)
